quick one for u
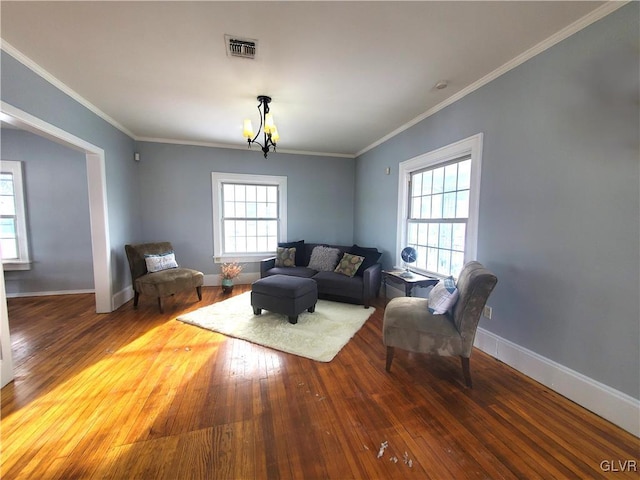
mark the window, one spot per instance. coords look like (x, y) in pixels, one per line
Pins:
(249, 214)
(13, 225)
(438, 207)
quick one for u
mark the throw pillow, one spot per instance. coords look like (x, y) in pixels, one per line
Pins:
(371, 257)
(163, 261)
(286, 257)
(349, 264)
(443, 296)
(324, 259)
(299, 246)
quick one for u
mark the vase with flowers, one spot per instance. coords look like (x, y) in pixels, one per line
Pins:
(228, 272)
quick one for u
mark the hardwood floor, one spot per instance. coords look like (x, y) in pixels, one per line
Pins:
(137, 394)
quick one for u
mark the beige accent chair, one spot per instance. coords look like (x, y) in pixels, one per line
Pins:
(159, 284)
(409, 325)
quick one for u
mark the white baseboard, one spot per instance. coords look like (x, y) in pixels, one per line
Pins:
(122, 297)
(45, 294)
(613, 405)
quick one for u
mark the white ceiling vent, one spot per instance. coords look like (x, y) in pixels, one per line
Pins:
(240, 47)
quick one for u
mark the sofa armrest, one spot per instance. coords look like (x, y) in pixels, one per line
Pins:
(371, 279)
(266, 265)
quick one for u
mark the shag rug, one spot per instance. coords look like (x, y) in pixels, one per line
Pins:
(318, 336)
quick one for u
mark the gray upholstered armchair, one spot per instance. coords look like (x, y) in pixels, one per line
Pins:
(163, 283)
(409, 325)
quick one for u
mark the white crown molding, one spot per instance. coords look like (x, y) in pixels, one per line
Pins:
(27, 62)
(595, 15)
(239, 147)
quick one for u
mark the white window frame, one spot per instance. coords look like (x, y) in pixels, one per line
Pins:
(23, 262)
(470, 146)
(217, 181)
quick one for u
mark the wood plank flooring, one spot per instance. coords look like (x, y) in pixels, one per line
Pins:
(136, 394)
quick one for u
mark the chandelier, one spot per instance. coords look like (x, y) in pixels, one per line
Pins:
(269, 130)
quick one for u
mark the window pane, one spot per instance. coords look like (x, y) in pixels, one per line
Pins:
(444, 262)
(229, 209)
(252, 210)
(445, 235)
(426, 207)
(436, 206)
(416, 210)
(6, 184)
(464, 175)
(450, 177)
(241, 209)
(240, 193)
(434, 233)
(251, 193)
(416, 185)
(421, 262)
(427, 179)
(261, 193)
(272, 210)
(438, 180)
(462, 204)
(458, 237)
(7, 205)
(7, 228)
(449, 205)
(228, 192)
(412, 234)
(457, 262)
(422, 234)
(432, 259)
(9, 248)
(272, 194)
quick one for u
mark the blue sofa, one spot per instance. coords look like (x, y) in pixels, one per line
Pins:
(359, 289)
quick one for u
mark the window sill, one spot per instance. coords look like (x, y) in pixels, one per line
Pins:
(243, 258)
(15, 266)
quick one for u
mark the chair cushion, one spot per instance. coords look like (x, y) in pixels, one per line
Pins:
(443, 296)
(168, 282)
(409, 325)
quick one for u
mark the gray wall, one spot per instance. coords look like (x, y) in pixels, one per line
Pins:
(57, 203)
(176, 196)
(559, 202)
(25, 90)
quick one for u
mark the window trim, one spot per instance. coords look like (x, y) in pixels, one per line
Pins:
(23, 262)
(220, 178)
(471, 146)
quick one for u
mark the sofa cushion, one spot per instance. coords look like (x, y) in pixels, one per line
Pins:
(286, 257)
(371, 257)
(324, 259)
(300, 253)
(349, 264)
(163, 261)
(333, 283)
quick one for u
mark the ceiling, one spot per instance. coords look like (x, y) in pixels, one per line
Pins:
(343, 75)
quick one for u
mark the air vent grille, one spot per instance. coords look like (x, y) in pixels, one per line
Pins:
(240, 47)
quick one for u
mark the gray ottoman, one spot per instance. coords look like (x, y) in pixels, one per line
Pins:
(284, 294)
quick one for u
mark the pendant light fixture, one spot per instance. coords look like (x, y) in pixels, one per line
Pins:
(267, 126)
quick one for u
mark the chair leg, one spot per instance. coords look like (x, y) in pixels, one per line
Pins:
(390, 352)
(160, 305)
(465, 371)
(199, 292)
(136, 297)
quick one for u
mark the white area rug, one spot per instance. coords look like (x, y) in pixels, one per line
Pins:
(318, 336)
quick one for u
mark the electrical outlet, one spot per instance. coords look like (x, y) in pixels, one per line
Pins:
(487, 312)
